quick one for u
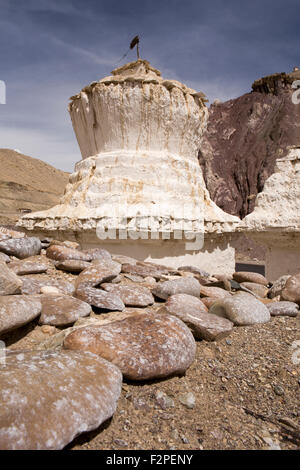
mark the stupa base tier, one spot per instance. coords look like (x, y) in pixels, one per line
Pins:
(282, 254)
(281, 261)
(213, 254)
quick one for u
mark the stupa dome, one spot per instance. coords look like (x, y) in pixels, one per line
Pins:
(139, 137)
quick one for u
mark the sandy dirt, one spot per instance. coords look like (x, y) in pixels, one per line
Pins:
(243, 385)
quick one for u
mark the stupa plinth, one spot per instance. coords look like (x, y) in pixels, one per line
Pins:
(275, 221)
(139, 183)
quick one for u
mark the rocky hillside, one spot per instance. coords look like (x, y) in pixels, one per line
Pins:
(27, 183)
(243, 139)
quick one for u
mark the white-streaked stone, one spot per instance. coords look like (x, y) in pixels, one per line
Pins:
(275, 221)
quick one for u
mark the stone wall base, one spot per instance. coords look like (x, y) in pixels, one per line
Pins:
(216, 256)
(280, 261)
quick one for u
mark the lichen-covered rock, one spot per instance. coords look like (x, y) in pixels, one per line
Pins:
(31, 285)
(4, 258)
(291, 291)
(73, 265)
(209, 301)
(4, 236)
(122, 259)
(131, 295)
(244, 276)
(56, 341)
(285, 308)
(21, 247)
(50, 397)
(135, 278)
(148, 346)
(194, 270)
(185, 285)
(216, 292)
(257, 289)
(99, 298)
(62, 253)
(9, 281)
(17, 310)
(28, 267)
(98, 253)
(67, 243)
(242, 309)
(194, 314)
(60, 310)
(145, 270)
(98, 272)
(278, 286)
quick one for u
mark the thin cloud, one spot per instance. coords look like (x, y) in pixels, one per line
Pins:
(50, 49)
(90, 56)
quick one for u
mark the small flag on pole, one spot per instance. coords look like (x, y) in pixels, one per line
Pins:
(135, 42)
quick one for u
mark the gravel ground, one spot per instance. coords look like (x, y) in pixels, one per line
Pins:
(246, 391)
(243, 386)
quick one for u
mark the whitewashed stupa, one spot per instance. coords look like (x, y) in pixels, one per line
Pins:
(139, 176)
(275, 221)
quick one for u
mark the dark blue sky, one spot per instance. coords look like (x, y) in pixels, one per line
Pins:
(50, 49)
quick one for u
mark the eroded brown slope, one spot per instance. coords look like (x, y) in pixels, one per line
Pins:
(28, 183)
(243, 139)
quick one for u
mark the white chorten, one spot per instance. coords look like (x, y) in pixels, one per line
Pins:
(139, 176)
(275, 221)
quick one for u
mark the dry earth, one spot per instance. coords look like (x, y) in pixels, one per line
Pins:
(27, 183)
(243, 385)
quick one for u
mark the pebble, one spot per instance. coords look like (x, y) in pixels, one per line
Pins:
(121, 443)
(163, 400)
(278, 390)
(187, 399)
(50, 290)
